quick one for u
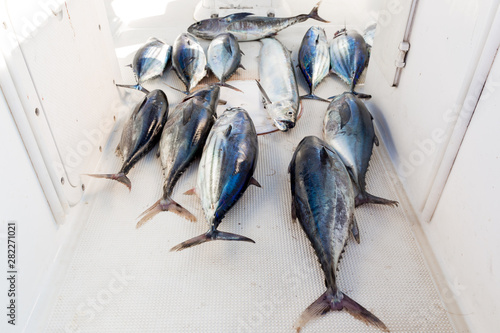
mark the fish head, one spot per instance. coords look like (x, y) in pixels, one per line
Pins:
(206, 29)
(284, 114)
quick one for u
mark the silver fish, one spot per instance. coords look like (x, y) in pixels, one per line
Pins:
(247, 27)
(224, 56)
(278, 84)
(140, 134)
(226, 169)
(314, 59)
(323, 202)
(348, 56)
(348, 128)
(149, 62)
(181, 141)
(189, 60)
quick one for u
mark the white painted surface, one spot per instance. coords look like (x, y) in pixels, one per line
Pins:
(466, 226)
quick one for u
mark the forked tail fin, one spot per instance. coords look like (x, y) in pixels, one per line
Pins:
(164, 205)
(210, 235)
(328, 302)
(119, 177)
(314, 14)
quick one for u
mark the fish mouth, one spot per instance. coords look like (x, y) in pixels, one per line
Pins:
(284, 125)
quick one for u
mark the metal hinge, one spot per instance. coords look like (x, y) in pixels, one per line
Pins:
(403, 50)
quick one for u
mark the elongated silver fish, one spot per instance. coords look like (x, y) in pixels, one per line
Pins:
(348, 128)
(149, 62)
(140, 134)
(189, 60)
(247, 27)
(226, 169)
(278, 84)
(348, 56)
(181, 141)
(224, 56)
(314, 59)
(323, 202)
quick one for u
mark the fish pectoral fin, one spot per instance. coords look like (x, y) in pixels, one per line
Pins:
(228, 48)
(254, 182)
(375, 140)
(355, 230)
(345, 115)
(227, 132)
(263, 92)
(186, 114)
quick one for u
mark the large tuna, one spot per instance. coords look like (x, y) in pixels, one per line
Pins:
(189, 60)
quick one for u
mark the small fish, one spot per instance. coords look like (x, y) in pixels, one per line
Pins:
(348, 128)
(182, 140)
(189, 60)
(226, 169)
(224, 57)
(278, 84)
(247, 27)
(314, 59)
(323, 202)
(140, 134)
(149, 62)
(349, 56)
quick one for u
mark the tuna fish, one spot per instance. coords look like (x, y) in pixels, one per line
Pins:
(278, 84)
(226, 169)
(182, 140)
(149, 62)
(314, 59)
(247, 27)
(348, 128)
(224, 57)
(323, 202)
(140, 134)
(189, 60)
(349, 56)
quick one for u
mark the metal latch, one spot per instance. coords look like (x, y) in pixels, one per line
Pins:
(403, 50)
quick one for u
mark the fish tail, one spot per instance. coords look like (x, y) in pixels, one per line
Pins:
(314, 14)
(164, 205)
(365, 197)
(174, 88)
(360, 95)
(330, 301)
(120, 177)
(134, 86)
(313, 96)
(224, 84)
(210, 235)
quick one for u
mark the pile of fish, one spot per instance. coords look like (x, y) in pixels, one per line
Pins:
(327, 177)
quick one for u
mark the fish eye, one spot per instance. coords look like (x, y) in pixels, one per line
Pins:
(290, 113)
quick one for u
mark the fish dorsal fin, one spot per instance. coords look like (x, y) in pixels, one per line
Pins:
(264, 94)
(227, 132)
(186, 115)
(345, 115)
(236, 16)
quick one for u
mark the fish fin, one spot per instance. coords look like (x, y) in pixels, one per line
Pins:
(314, 14)
(228, 48)
(119, 177)
(228, 130)
(361, 95)
(365, 197)
(242, 67)
(222, 102)
(242, 52)
(355, 230)
(338, 302)
(294, 212)
(186, 114)
(158, 152)
(345, 115)
(236, 16)
(192, 192)
(210, 236)
(129, 65)
(264, 94)
(324, 156)
(164, 205)
(182, 91)
(254, 182)
(312, 96)
(223, 84)
(375, 140)
(134, 86)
